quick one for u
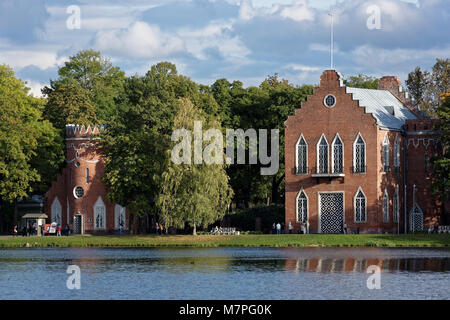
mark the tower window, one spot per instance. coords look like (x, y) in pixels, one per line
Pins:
(78, 192)
(87, 175)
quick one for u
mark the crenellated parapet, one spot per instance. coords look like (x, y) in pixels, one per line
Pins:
(81, 131)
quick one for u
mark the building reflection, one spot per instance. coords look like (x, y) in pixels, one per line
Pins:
(329, 265)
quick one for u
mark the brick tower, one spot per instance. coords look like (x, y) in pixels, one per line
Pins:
(78, 196)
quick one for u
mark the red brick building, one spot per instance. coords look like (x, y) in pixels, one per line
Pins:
(359, 160)
(78, 196)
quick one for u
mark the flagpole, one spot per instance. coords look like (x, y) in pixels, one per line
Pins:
(331, 42)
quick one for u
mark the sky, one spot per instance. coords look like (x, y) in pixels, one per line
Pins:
(244, 40)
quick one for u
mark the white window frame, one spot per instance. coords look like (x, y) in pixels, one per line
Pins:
(99, 204)
(297, 208)
(296, 155)
(396, 206)
(332, 153)
(385, 205)
(386, 153)
(412, 213)
(355, 143)
(56, 211)
(396, 153)
(365, 205)
(318, 153)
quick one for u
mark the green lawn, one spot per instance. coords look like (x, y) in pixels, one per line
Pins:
(286, 240)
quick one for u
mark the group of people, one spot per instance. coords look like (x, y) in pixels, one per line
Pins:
(278, 228)
(159, 228)
(217, 230)
(31, 230)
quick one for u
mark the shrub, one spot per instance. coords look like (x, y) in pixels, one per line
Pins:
(244, 219)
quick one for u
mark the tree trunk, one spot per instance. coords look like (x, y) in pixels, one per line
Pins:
(194, 232)
(275, 185)
(15, 212)
(135, 225)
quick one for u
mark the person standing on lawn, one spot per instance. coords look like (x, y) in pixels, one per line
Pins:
(278, 228)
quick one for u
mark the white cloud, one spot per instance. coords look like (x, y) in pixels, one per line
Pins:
(298, 11)
(214, 36)
(35, 87)
(140, 40)
(19, 59)
(370, 56)
(300, 67)
(246, 11)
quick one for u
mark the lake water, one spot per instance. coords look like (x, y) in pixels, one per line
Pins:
(225, 273)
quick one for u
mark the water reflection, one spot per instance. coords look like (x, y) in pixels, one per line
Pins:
(224, 273)
(320, 265)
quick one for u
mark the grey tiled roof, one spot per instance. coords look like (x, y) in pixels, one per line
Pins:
(384, 106)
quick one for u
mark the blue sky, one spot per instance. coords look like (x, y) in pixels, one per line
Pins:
(243, 40)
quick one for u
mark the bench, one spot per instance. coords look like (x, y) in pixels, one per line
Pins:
(225, 231)
(444, 229)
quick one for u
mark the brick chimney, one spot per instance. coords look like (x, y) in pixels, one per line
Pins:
(393, 85)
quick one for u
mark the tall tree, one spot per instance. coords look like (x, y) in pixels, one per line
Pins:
(30, 151)
(197, 194)
(427, 88)
(135, 144)
(85, 91)
(417, 84)
(441, 164)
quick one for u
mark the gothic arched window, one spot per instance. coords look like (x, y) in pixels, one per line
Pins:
(302, 156)
(360, 206)
(302, 207)
(338, 155)
(396, 154)
(416, 218)
(99, 215)
(359, 155)
(396, 205)
(322, 155)
(386, 153)
(385, 206)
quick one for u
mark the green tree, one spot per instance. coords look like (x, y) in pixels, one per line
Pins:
(263, 107)
(441, 164)
(85, 91)
(362, 81)
(427, 88)
(197, 194)
(417, 84)
(30, 151)
(135, 144)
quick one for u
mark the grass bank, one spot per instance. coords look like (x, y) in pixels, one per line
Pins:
(294, 240)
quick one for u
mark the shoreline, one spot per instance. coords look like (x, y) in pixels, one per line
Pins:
(214, 241)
